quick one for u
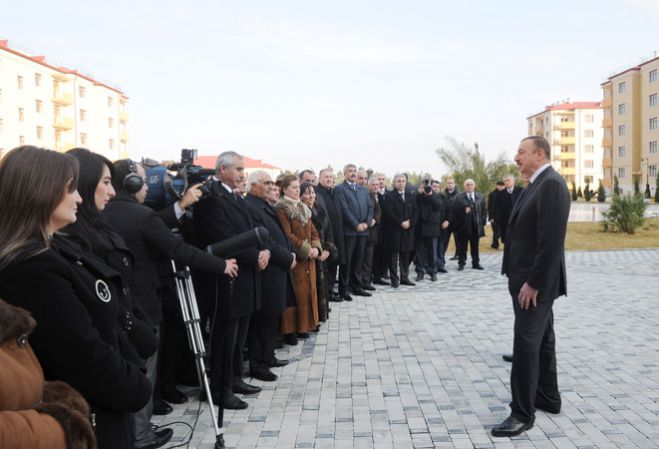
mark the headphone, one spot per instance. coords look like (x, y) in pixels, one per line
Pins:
(132, 181)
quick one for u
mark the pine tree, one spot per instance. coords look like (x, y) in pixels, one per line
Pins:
(637, 187)
(648, 194)
(587, 193)
(574, 192)
(579, 192)
(601, 194)
(616, 186)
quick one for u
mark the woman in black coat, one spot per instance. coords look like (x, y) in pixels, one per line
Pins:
(68, 291)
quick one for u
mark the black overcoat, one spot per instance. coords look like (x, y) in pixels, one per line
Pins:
(276, 279)
(73, 298)
(505, 203)
(333, 207)
(474, 221)
(431, 214)
(395, 211)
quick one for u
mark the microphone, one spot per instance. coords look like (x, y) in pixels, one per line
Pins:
(239, 243)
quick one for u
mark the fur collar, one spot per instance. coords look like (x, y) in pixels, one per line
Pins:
(14, 322)
(295, 210)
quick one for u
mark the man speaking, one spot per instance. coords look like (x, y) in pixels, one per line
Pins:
(534, 262)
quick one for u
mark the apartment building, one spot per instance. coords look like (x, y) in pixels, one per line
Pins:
(47, 105)
(574, 131)
(630, 126)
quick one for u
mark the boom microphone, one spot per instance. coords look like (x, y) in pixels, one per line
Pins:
(239, 243)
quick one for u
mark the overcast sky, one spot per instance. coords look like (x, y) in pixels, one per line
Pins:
(305, 83)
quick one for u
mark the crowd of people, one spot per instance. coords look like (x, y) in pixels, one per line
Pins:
(92, 264)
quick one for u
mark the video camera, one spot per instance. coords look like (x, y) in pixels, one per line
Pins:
(165, 188)
(427, 188)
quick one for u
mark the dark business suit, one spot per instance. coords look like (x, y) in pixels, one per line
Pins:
(491, 216)
(333, 208)
(449, 198)
(356, 208)
(372, 240)
(399, 242)
(505, 203)
(469, 226)
(534, 254)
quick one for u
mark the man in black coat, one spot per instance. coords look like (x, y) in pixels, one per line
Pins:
(534, 262)
(505, 202)
(327, 192)
(492, 214)
(468, 220)
(380, 254)
(450, 192)
(276, 279)
(428, 230)
(400, 212)
(221, 215)
(374, 232)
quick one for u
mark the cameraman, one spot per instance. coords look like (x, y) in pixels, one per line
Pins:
(431, 216)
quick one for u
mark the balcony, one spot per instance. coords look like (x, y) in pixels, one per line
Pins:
(63, 99)
(123, 116)
(569, 140)
(607, 142)
(566, 171)
(607, 162)
(61, 77)
(607, 122)
(566, 155)
(606, 103)
(63, 124)
(123, 135)
(565, 125)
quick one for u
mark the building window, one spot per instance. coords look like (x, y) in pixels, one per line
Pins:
(564, 149)
(21, 140)
(652, 147)
(37, 79)
(38, 106)
(621, 130)
(110, 122)
(83, 139)
(82, 91)
(110, 102)
(83, 115)
(589, 148)
(652, 170)
(653, 75)
(622, 87)
(621, 151)
(653, 123)
(563, 133)
(589, 118)
(621, 172)
(588, 133)
(111, 144)
(19, 79)
(39, 132)
(588, 164)
(653, 100)
(21, 115)
(621, 109)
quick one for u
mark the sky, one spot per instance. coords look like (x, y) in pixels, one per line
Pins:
(304, 83)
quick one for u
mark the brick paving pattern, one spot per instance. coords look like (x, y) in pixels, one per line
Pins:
(421, 367)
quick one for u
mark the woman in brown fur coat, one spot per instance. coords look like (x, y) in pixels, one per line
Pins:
(35, 414)
(296, 219)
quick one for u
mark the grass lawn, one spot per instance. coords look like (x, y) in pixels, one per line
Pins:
(589, 236)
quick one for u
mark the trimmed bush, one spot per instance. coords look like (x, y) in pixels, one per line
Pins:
(601, 193)
(587, 194)
(625, 214)
(616, 186)
(574, 192)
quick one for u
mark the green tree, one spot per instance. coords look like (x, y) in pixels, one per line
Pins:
(587, 194)
(465, 162)
(648, 194)
(601, 193)
(637, 187)
(616, 186)
(579, 192)
(574, 192)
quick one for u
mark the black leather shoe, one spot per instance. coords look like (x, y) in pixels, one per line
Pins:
(290, 339)
(407, 282)
(477, 267)
(511, 427)
(454, 257)
(553, 409)
(263, 374)
(174, 397)
(395, 284)
(242, 387)
(158, 439)
(335, 298)
(276, 363)
(302, 334)
(461, 267)
(231, 402)
(369, 288)
(379, 281)
(442, 270)
(361, 292)
(507, 358)
(433, 277)
(346, 297)
(162, 408)
(419, 277)
(494, 246)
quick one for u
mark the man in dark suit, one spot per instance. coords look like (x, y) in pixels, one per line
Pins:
(450, 192)
(492, 213)
(505, 202)
(429, 227)
(380, 255)
(357, 215)
(534, 262)
(373, 234)
(468, 218)
(219, 216)
(276, 279)
(400, 212)
(327, 192)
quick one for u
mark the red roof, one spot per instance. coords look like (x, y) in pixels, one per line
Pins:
(571, 106)
(209, 162)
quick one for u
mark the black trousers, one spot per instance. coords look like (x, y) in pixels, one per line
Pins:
(446, 236)
(367, 268)
(533, 377)
(426, 260)
(228, 338)
(399, 260)
(173, 351)
(380, 261)
(495, 235)
(261, 339)
(470, 239)
(332, 268)
(350, 274)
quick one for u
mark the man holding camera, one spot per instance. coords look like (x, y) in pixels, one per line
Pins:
(431, 216)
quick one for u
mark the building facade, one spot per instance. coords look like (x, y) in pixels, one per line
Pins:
(574, 131)
(46, 105)
(630, 126)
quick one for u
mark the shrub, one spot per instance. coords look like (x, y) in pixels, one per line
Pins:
(579, 192)
(637, 187)
(574, 192)
(587, 194)
(616, 186)
(601, 194)
(625, 214)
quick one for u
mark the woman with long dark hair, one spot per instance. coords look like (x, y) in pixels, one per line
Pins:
(68, 291)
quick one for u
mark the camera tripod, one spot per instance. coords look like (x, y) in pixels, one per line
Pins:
(190, 311)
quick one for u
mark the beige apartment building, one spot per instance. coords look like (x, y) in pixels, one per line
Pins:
(630, 126)
(47, 105)
(574, 131)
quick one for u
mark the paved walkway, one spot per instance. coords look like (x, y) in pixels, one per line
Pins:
(421, 367)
